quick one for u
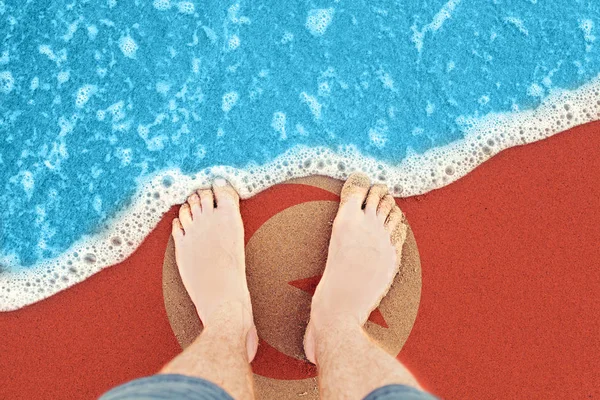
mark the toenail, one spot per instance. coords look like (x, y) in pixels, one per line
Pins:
(220, 182)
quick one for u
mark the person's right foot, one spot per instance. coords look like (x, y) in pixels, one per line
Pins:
(366, 243)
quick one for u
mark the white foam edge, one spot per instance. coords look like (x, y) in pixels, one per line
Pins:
(416, 174)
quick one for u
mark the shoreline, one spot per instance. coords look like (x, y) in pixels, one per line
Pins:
(416, 174)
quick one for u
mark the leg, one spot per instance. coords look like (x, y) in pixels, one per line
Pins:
(364, 252)
(351, 366)
(209, 248)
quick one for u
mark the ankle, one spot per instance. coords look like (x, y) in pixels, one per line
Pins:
(326, 333)
(333, 313)
(231, 318)
(325, 326)
(234, 323)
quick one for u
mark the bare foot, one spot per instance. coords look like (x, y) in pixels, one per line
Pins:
(209, 249)
(364, 253)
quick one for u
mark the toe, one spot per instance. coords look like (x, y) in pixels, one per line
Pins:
(397, 227)
(355, 189)
(207, 200)
(399, 235)
(386, 205)
(185, 216)
(177, 229)
(194, 202)
(225, 194)
(394, 219)
(376, 193)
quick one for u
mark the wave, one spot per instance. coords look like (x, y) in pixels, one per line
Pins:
(416, 174)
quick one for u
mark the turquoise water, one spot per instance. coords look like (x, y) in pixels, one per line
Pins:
(95, 96)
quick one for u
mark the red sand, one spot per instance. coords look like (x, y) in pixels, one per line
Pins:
(509, 305)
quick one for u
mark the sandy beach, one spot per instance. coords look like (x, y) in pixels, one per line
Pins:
(508, 305)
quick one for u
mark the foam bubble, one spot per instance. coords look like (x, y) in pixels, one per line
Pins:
(143, 131)
(92, 32)
(587, 25)
(386, 79)
(156, 143)
(162, 5)
(35, 83)
(301, 130)
(125, 155)
(318, 20)
(97, 204)
(287, 37)
(436, 23)
(47, 51)
(186, 7)
(128, 46)
(377, 138)
(483, 100)
(117, 111)
(62, 77)
(7, 82)
(430, 109)
(28, 182)
(72, 29)
(535, 90)
(83, 95)
(518, 23)
(65, 126)
(229, 100)
(378, 135)
(232, 12)
(233, 42)
(444, 14)
(324, 89)
(163, 87)
(5, 58)
(200, 151)
(313, 104)
(278, 124)
(196, 62)
(450, 66)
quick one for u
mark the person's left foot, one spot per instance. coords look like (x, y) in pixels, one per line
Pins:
(209, 249)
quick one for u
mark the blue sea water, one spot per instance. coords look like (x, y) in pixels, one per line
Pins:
(96, 95)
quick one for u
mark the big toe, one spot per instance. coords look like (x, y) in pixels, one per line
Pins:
(225, 194)
(355, 190)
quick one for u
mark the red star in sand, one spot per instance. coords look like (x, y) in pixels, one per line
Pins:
(309, 285)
